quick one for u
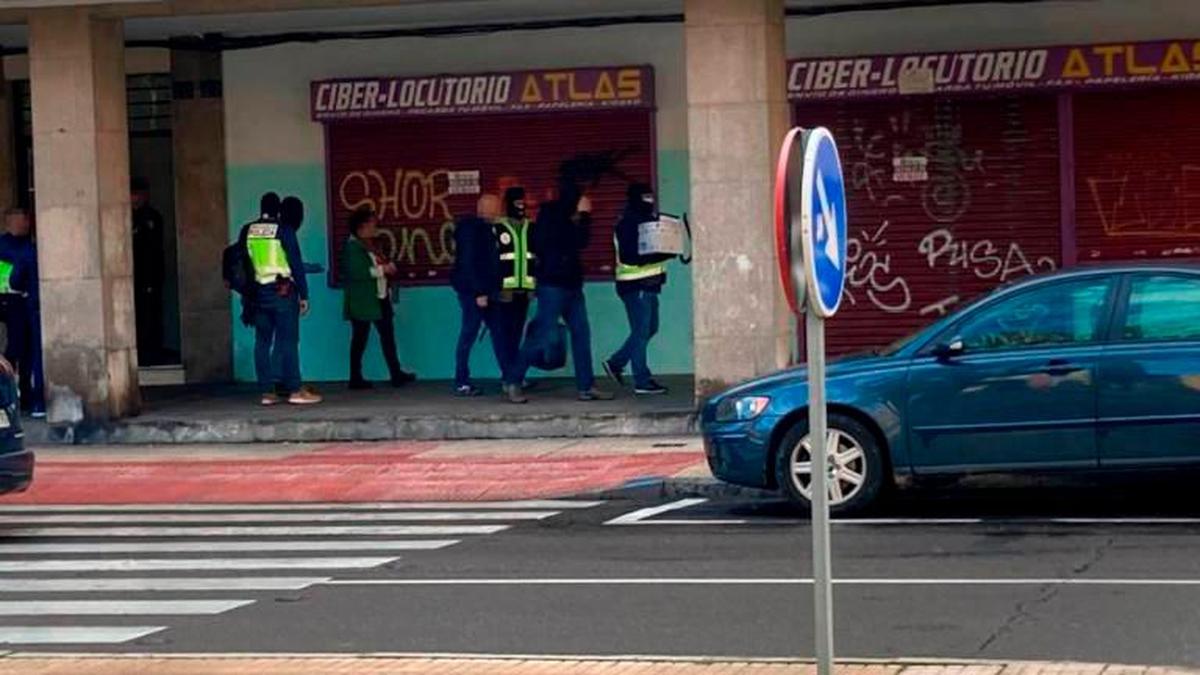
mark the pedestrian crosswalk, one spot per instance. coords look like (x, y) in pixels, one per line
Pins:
(67, 570)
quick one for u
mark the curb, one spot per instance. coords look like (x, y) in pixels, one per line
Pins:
(425, 428)
(680, 487)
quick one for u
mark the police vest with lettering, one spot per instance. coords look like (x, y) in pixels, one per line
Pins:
(267, 256)
(516, 260)
(6, 272)
(635, 272)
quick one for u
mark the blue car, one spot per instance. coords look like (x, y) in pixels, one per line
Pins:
(16, 462)
(1090, 369)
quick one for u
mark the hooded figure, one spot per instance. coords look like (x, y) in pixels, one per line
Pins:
(514, 203)
(291, 213)
(640, 279)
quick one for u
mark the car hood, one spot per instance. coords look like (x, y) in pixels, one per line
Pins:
(845, 366)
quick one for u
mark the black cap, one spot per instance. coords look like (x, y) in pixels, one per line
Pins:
(512, 194)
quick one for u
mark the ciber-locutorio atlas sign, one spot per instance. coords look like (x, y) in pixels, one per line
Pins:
(1062, 68)
(504, 92)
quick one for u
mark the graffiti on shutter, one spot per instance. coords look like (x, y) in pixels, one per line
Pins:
(948, 198)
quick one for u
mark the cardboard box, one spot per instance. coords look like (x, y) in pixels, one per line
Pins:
(665, 235)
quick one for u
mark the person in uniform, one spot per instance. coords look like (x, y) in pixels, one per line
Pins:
(280, 299)
(640, 279)
(517, 283)
(20, 306)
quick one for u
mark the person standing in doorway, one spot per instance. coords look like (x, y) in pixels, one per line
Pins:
(281, 298)
(516, 270)
(149, 250)
(21, 309)
(562, 231)
(478, 278)
(640, 279)
(365, 299)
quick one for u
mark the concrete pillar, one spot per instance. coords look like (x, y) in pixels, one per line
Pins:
(81, 171)
(198, 133)
(737, 117)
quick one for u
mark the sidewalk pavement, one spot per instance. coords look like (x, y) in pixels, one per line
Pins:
(362, 472)
(421, 411)
(33, 664)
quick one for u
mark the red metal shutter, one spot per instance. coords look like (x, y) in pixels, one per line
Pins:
(1137, 174)
(947, 198)
(400, 167)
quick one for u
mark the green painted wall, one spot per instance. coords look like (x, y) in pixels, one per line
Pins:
(427, 319)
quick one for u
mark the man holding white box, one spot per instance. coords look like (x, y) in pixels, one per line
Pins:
(644, 246)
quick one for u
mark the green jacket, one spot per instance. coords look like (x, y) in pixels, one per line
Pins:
(360, 292)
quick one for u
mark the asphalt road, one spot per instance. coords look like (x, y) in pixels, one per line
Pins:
(1106, 572)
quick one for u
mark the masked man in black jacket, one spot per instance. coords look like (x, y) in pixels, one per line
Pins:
(640, 279)
(562, 231)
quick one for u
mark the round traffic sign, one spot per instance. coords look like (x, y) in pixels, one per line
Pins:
(787, 218)
(823, 222)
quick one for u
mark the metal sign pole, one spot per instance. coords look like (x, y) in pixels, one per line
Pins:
(819, 487)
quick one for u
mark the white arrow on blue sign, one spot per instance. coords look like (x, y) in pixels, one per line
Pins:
(823, 222)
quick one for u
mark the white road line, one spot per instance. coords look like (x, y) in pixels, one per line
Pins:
(61, 635)
(640, 516)
(78, 585)
(261, 517)
(118, 607)
(155, 564)
(716, 581)
(302, 506)
(257, 531)
(230, 546)
(1019, 521)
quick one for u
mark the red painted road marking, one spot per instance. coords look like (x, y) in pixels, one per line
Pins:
(344, 474)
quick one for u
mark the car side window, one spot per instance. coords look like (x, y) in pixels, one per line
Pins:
(1060, 313)
(1163, 307)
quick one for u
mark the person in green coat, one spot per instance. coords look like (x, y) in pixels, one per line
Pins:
(365, 299)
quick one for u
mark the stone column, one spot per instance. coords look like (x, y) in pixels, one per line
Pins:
(81, 177)
(198, 133)
(737, 117)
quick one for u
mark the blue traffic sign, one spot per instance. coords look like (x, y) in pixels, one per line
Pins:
(823, 222)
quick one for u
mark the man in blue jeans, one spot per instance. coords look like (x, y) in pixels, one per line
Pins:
(640, 279)
(281, 297)
(477, 279)
(562, 230)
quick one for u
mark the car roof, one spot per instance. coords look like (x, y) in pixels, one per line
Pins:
(1088, 269)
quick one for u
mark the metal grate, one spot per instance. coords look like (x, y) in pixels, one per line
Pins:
(148, 98)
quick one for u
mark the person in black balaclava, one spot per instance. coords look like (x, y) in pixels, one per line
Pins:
(149, 250)
(640, 279)
(562, 231)
(516, 270)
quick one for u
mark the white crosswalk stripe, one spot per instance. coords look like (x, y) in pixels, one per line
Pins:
(70, 560)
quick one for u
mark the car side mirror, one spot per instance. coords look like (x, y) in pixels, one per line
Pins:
(949, 350)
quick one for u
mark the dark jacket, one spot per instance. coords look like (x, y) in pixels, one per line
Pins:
(558, 237)
(476, 259)
(627, 248)
(360, 288)
(149, 248)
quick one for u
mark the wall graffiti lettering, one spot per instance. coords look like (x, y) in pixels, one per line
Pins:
(983, 257)
(947, 194)
(870, 267)
(409, 195)
(1163, 201)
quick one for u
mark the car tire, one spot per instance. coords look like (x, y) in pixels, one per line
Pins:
(862, 456)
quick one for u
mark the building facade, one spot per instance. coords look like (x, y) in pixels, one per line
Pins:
(982, 142)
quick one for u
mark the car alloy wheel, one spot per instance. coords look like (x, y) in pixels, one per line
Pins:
(856, 466)
(847, 467)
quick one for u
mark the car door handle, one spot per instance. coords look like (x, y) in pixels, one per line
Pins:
(1061, 368)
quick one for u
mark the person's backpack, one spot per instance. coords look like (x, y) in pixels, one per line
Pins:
(553, 354)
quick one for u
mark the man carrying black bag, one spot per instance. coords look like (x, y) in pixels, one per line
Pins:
(562, 230)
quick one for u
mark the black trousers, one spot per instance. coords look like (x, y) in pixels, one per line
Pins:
(24, 348)
(513, 317)
(361, 332)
